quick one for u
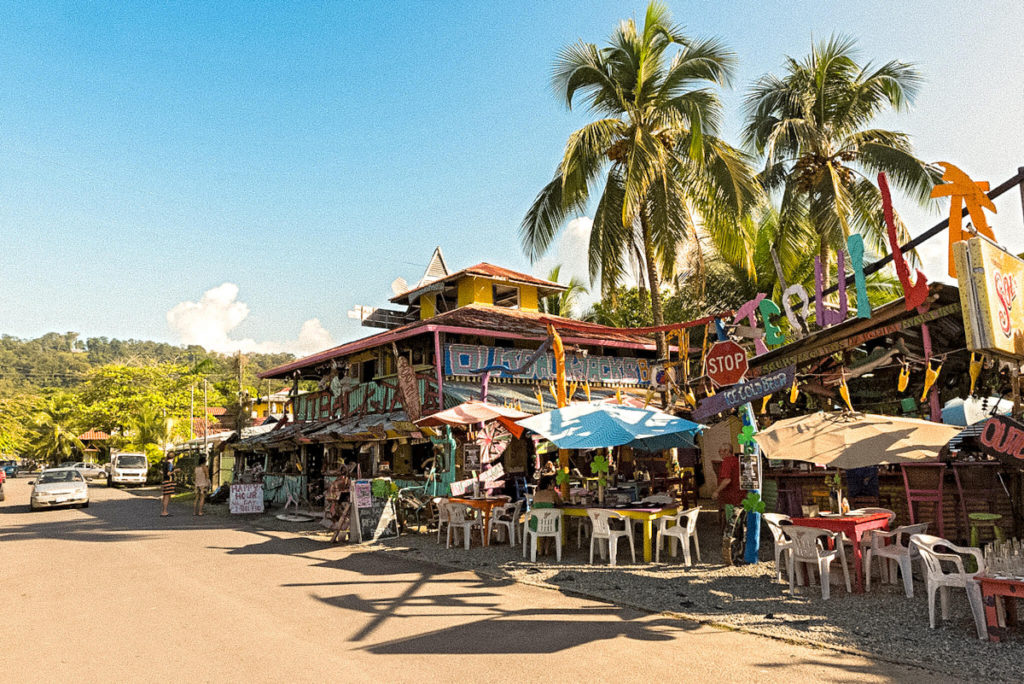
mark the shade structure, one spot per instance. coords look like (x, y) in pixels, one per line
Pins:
(854, 440)
(470, 413)
(599, 425)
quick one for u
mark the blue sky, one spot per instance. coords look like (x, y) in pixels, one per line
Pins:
(310, 153)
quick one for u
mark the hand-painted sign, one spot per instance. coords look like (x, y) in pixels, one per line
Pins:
(465, 359)
(961, 190)
(1003, 438)
(991, 286)
(246, 498)
(737, 395)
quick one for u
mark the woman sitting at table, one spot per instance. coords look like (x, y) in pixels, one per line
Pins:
(546, 497)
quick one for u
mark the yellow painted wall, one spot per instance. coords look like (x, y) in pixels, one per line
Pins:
(528, 297)
(428, 306)
(475, 291)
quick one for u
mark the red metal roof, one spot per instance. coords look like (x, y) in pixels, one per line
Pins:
(216, 410)
(478, 319)
(488, 271)
(93, 435)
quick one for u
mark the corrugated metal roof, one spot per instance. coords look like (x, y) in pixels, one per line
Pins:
(93, 435)
(488, 271)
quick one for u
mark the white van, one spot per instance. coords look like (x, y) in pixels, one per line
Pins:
(127, 468)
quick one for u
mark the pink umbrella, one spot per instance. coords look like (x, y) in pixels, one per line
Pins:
(470, 413)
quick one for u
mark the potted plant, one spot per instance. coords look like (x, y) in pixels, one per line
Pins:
(599, 467)
(834, 481)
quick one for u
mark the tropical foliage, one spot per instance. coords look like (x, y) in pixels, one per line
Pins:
(54, 429)
(814, 128)
(653, 160)
(564, 303)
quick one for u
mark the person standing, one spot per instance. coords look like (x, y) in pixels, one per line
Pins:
(730, 497)
(202, 485)
(167, 483)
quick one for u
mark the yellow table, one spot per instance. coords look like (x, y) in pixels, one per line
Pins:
(645, 515)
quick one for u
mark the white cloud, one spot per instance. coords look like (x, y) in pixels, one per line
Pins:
(570, 251)
(209, 323)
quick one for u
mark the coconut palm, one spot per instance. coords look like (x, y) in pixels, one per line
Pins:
(150, 431)
(653, 158)
(563, 303)
(813, 127)
(54, 433)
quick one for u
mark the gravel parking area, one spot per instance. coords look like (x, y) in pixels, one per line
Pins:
(882, 624)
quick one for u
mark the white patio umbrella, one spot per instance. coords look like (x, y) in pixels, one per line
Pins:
(854, 440)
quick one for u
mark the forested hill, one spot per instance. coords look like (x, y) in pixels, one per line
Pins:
(57, 386)
(58, 360)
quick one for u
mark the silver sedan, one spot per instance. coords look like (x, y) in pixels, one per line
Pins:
(90, 471)
(59, 487)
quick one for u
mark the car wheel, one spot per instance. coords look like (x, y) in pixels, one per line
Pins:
(85, 505)
(1, 494)
(32, 508)
(110, 482)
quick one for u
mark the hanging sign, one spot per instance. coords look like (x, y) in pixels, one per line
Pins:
(991, 296)
(726, 363)
(1003, 438)
(737, 395)
(467, 359)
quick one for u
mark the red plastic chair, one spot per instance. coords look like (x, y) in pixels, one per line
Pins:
(923, 484)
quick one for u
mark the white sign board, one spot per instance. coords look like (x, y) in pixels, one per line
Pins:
(246, 498)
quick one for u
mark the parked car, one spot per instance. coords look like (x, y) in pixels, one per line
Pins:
(127, 468)
(59, 487)
(90, 471)
(10, 468)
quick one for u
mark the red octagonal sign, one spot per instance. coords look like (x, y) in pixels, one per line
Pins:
(726, 363)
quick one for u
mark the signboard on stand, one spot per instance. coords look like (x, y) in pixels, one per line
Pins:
(372, 517)
(991, 296)
(246, 498)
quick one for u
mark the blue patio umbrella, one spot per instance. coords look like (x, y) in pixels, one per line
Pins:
(598, 425)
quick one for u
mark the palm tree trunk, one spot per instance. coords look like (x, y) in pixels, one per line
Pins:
(654, 280)
(823, 255)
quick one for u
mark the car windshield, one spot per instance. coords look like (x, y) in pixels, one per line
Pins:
(131, 461)
(60, 476)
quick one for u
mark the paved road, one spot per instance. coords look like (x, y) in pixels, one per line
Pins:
(116, 593)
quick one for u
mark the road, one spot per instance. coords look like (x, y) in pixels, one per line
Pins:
(116, 593)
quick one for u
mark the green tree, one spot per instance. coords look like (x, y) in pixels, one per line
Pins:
(564, 303)
(55, 430)
(813, 128)
(654, 154)
(150, 431)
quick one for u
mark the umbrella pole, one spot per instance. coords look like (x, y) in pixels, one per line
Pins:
(563, 465)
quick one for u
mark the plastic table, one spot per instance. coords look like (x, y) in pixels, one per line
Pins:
(646, 515)
(997, 592)
(485, 506)
(854, 528)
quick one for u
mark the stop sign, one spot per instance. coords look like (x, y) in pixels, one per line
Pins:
(726, 363)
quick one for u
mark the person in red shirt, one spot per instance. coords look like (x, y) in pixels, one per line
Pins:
(728, 492)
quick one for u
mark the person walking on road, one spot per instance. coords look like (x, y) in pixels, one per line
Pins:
(167, 485)
(202, 485)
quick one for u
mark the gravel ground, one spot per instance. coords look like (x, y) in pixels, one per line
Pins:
(881, 624)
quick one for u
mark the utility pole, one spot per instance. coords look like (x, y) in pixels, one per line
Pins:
(206, 424)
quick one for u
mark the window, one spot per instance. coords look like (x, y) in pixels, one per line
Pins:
(367, 369)
(506, 296)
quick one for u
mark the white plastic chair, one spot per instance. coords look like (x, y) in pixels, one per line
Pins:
(506, 518)
(899, 553)
(549, 524)
(601, 522)
(684, 531)
(782, 543)
(938, 578)
(651, 501)
(458, 522)
(868, 511)
(442, 515)
(809, 547)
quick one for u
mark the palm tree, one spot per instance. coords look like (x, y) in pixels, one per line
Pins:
(54, 437)
(564, 303)
(812, 127)
(654, 154)
(150, 431)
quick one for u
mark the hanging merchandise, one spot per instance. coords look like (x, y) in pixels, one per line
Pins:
(540, 398)
(930, 376)
(904, 379)
(618, 396)
(554, 392)
(572, 389)
(844, 392)
(689, 397)
(709, 390)
(586, 389)
(764, 402)
(976, 362)
(794, 392)
(647, 399)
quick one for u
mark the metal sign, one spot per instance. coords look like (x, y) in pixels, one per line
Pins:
(1003, 438)
(992, 297)
(737, 395)
(726, 363)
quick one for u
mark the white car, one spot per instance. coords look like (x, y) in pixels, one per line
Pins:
(90, 471)
(59, 487)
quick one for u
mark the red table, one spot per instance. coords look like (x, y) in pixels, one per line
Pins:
(485, 506)
(853, 527)
(993, 591)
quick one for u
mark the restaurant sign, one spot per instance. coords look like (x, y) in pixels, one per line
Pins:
(465, 359)
(992, 297)
(1002, 437)
(740, 394)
